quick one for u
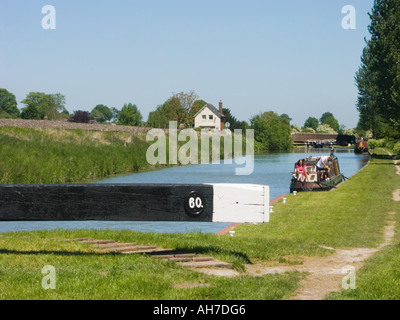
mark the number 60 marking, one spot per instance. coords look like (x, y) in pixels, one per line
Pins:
(194, 204)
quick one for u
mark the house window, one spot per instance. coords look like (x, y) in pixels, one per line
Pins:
(204, 117)
(210, 117)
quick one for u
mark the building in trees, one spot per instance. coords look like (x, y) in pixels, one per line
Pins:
(210, 117)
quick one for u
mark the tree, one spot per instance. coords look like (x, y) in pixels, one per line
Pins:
(80, 117)
(196, 107)
(186, 99)
(130, 115)
(170, 110)
(308, 130)
(102, 113)
(333, 123)
(378, 77)
(295, 128)
(329, 119)
(115, 114)
(180, 107)
(39, 105)
(285, 117)
(58, 101)
(8, 105)
(233, 122)
(311, 122)
(326, 128)
(272, 132)
(369, 118)
(325, 116)
(30, 112)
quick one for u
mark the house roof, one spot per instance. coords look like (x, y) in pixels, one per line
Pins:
(212, 108)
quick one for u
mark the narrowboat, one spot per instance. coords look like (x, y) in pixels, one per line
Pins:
(324, 180)
(361, 147)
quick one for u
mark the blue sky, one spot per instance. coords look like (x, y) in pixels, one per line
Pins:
(286, 56)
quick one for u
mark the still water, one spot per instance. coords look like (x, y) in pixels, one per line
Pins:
(272, 169)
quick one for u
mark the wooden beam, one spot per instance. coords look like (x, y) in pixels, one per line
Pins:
(134, 202)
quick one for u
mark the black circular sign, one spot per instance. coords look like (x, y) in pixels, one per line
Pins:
(194, 204)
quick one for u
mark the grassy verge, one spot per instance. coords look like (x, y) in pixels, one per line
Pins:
(379, 279)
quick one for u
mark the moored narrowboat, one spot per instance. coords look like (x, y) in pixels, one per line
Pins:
(314, 179)
(361, 147)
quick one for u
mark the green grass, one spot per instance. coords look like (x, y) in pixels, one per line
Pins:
(379, 279)
(237, 250)
(84, 273)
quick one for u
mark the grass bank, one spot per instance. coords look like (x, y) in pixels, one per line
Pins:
(31, 156)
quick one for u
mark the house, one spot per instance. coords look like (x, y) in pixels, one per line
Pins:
(210, 117)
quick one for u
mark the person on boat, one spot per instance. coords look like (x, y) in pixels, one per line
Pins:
(301, 172)
(322, 165)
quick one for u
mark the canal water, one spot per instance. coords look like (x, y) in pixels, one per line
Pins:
(273, 169)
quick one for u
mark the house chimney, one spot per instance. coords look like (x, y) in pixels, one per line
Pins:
(222, 115)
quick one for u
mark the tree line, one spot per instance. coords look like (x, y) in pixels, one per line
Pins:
(40, 106)
(180, 107)
(378, 77)
(326, 124)
(271, 131)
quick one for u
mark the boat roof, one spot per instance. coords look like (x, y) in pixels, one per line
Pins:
(315, 158)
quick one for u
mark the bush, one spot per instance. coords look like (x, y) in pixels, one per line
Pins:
(380, 143)
(396, 148)
(392, 145)
(80, 117)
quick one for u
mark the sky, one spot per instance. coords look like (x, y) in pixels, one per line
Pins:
(288, 56)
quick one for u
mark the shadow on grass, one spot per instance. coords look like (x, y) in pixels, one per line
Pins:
(218, 250)
(382, 164)
(202, 250)
(55, 252)
(384, 157)
(195, 250)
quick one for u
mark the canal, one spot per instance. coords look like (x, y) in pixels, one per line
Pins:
(273, 169)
